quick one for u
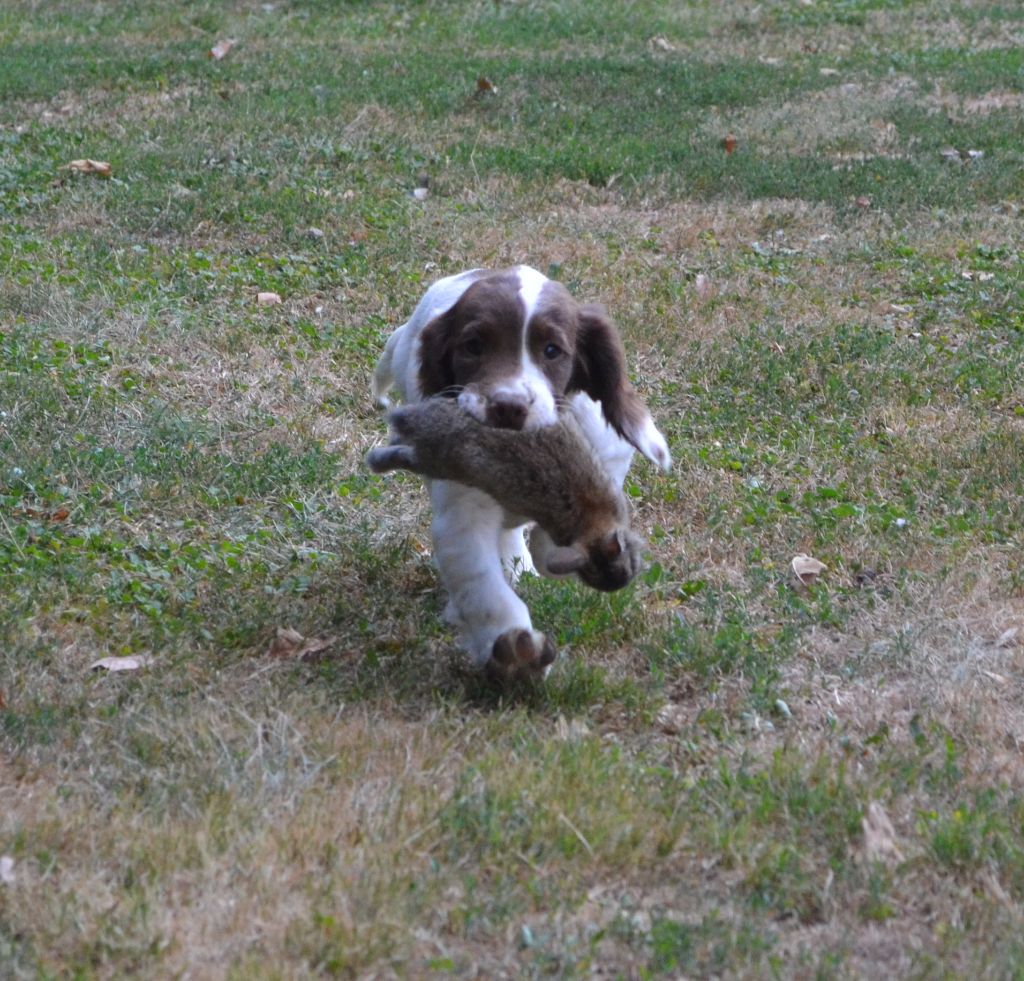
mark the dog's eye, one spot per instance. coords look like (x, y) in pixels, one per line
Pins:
(552, 351)
(473, 346)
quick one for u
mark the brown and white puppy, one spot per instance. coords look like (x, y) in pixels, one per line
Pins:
(511, 346)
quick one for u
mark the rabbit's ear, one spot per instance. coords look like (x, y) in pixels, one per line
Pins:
(613, 545)
(566, 559)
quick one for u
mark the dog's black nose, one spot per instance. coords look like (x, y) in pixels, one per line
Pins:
(507, 413)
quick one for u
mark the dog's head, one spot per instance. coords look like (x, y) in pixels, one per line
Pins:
(516, 342)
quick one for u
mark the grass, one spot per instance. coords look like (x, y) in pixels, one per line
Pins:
(828, 323)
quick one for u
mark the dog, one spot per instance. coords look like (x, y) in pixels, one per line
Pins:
(513, 347)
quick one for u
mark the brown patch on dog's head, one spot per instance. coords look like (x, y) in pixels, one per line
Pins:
(475, 342)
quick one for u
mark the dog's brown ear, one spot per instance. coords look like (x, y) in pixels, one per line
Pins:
(436, 346)
(600, 371)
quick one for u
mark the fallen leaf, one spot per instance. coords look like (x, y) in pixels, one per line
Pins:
(995, 889)
(569, 730)
(729, 143)
(999, 679)
(285, 643)
(702, 286)
(662, 44)
(99, 167)
(420, 547)
(33, 514)
(1009, 637)
(828, 71)
(268, 299)
(953, 155)
(807, 569)
(221, 48)
(289, 643)
(484, 86)
(131, 663)
(863, 201)
(314, 646)
(7, 870)
(671, 719)
(880, 843)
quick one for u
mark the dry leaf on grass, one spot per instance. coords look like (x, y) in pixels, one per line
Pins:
(661, 44)
(221, 48)
(131, 663)
(99, 167)
(268, 299)
(569, 730)
(285, 643)
(419, 546)
(952, 155)
(879, 836)
(729, 143)
(1009, 637)
(702, 286)
(484, 86)
(7, 870)
(807, 569)
(999, 679)
(61, 514)
(671, 719)
(289, 643)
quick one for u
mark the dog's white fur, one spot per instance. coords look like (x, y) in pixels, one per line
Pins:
(480, 548)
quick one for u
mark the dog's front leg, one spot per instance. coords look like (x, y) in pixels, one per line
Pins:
(469, 533)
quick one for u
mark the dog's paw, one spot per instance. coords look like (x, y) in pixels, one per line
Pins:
(520, 656)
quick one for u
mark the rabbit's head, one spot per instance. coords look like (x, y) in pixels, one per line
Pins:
(607, 563)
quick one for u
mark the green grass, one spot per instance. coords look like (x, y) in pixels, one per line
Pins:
(181, 474)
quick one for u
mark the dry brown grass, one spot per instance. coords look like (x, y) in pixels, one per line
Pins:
(371, 812)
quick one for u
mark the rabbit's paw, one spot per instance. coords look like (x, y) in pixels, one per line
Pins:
(382, 459)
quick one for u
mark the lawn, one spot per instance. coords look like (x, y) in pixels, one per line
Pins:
(805, 217)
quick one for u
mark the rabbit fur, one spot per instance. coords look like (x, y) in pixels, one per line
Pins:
(549, 475)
